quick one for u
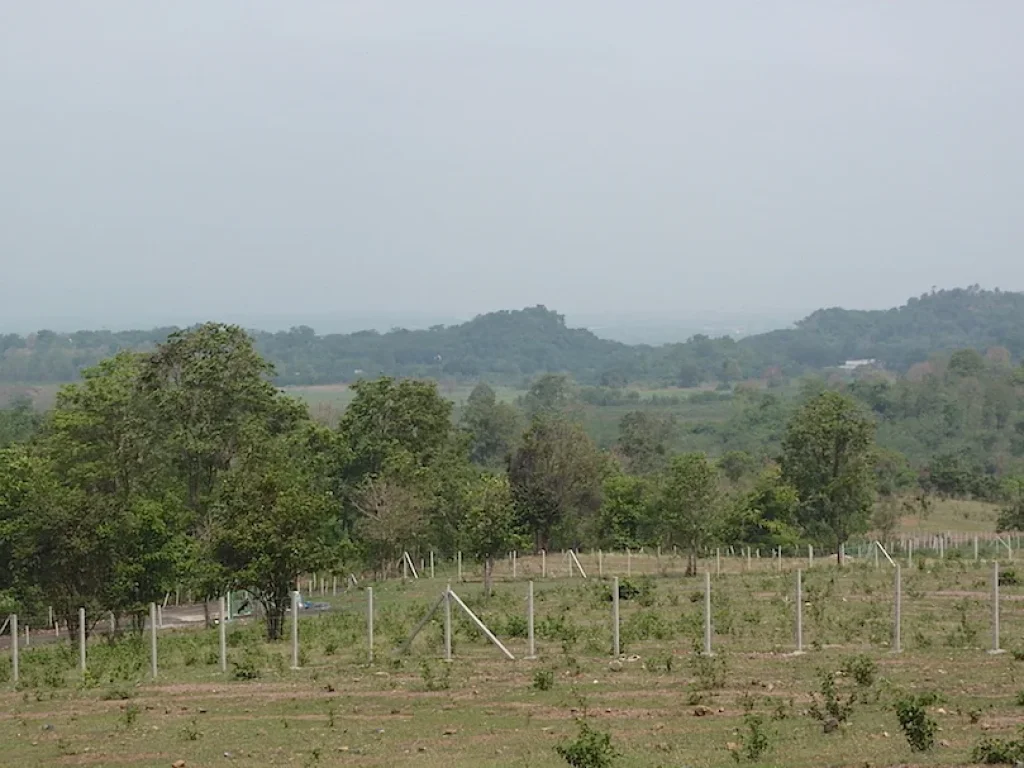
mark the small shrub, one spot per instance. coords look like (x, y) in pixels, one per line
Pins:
(1008, 578)
(129, 715)
(917, 726)
(1019, 701)
(191, 731)
(755, 742)
(543, 680)
(590, 749)
(433, 682)
(991, 751)
(831, 709)
(862, 669)
(516, 626)
(248, 666)
(710, 671)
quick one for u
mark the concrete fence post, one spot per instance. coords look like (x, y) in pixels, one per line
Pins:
(14, 647)
(223, 633)
(799, 611)
(707, 613)
(897, 645)
(152, 640)
(531, 652)
(295, 630)
(995, 608)
(81, 640)
(615, 618)
(369, 623)
(448, 623)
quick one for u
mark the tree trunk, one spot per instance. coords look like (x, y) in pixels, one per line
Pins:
(274, 611)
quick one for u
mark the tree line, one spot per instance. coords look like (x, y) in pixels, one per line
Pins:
(184, 466)
(516, 346)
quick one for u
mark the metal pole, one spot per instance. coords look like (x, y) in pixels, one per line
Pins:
(369, 622)
(600, 563)
(448, 623)
(460, 566)
(810, 555)
(898, 606)
(718, 561)
(515, 560)
(615, 618)
(223, 631)
(975, 549)
(295, 629)
(431, 563)
(629, 563)
(81, 639)
(152, 640)
(532, 647)
(799, 611)
(707, 613)
(543, 564)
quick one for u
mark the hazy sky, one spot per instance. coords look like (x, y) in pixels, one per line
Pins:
(194, 159)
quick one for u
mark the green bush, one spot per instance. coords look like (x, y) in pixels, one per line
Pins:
(917, 726)
(590, 749)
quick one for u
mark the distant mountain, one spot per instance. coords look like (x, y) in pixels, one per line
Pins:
(515, 345)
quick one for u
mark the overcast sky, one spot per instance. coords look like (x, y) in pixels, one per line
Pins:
(197, 159)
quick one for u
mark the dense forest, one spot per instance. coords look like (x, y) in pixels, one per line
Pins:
(516, 346)
(184, 466)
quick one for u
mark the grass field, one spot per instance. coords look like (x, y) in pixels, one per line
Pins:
(662, 703)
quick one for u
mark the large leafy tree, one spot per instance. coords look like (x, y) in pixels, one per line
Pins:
(827, 457)
(492, 426)
(274, 510)
(491, 527)
(625, 511)
(212, 401)
(765, 516)
(643, 441)
(556, 475)
(688, 505)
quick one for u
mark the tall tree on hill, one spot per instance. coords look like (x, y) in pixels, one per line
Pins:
(556, 475)
(827, 456)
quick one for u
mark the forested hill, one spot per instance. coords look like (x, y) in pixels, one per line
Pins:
(513, 345)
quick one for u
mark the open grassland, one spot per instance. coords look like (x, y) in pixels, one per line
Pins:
(663, 703)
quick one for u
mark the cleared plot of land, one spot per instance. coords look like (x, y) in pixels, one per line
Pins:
(664, 704)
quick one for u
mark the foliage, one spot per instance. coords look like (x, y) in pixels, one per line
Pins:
(827, 459)
(492, 527)
(590, 749)
(756, 741)
(995, 751)
(555, 475)
(688, 505)
(915, 723)
(832, 709)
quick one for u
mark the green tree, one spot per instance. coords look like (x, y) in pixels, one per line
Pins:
(736, 465)
(19, 421)
(556, 474)
(688, 505)
(827, 456)
(765, 516)
(492, 427)
(274, 512)
(491, 527)
(212, 402)
(643, 441)
(625, 509)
